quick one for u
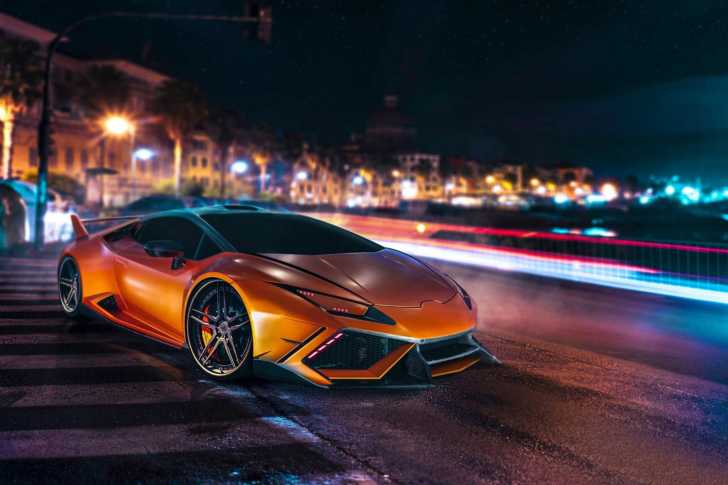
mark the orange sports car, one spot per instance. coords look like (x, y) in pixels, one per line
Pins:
(275, 295)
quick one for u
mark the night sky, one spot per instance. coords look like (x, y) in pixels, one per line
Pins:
(625, 87)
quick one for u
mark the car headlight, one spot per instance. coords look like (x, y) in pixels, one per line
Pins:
(463, 293)
(340, 306)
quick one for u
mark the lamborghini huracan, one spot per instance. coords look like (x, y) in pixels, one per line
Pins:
(277, 295)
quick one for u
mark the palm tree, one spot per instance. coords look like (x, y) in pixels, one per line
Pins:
(179, 107)
(103, 91)
(21, 76)
(262, 140)
(225, 125)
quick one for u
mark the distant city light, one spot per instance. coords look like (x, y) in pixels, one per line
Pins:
(409, 190)
(239, 166)
(358, 180)
(144, 154)
(541, 190)
(395, 173)
(669, 190)
(687, 190)
(301, 175)
(645, 199)
(497, 189)
(535, 182)
(598, 231)
(595, 199)
(449, 186)
(561, 198)
(609, 192)
(490, 179)
(421, 228)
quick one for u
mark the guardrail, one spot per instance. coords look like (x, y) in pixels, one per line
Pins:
(696, 271)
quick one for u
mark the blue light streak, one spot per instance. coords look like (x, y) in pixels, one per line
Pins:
(613, 276)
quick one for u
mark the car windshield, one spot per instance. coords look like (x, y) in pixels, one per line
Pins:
(286, 234)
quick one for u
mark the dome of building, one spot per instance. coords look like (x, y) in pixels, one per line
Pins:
(391, 116)
(390, 127)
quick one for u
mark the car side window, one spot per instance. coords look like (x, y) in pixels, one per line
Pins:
(177, 229)
(207, 248)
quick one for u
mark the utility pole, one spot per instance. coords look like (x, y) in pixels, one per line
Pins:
(254, 14)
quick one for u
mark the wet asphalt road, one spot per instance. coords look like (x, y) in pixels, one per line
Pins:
(596, 386)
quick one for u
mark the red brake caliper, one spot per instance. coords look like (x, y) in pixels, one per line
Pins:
(206, 332)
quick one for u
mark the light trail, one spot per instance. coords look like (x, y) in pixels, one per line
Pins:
(408, 236)
(610, 275)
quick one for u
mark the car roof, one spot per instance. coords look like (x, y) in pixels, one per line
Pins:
(214, 209)
(194, 214)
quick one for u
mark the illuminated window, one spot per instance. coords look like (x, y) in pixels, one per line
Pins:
(32, 156)
(84, 158)
(69, 158)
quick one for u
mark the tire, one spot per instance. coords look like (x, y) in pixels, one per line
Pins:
(70, 289)
(218, 330)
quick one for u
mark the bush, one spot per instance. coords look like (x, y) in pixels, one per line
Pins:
(61, 183)
(188, 187)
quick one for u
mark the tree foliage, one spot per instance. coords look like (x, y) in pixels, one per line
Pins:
(61, 183)
(103, 91)
(179, 107)
(21, 72)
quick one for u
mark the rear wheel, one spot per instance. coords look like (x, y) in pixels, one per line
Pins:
(69, 286)
(218, 331)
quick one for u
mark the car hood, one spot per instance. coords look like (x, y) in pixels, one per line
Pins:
(384, 278)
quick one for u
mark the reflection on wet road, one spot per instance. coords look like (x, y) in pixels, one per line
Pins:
(596, 386)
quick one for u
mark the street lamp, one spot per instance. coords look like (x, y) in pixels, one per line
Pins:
(141, 154)
(239, 167)
(255, 14)
(116, 125)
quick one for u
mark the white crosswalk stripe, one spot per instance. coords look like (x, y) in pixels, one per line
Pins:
(87, 396)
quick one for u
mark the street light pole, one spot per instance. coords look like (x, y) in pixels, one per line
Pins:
(263, 18)
(132, 132)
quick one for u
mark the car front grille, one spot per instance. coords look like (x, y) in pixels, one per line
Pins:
(354, 351)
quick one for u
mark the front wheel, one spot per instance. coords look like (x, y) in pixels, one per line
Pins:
(219, 334)
(69, 286)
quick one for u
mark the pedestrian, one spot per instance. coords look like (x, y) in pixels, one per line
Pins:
(13, 220)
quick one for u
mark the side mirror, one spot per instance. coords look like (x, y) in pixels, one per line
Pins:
(167, 249)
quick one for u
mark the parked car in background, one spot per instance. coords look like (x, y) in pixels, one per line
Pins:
(512, 202)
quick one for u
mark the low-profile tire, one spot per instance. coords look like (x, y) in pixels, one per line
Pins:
(70, 289)
(218, 330)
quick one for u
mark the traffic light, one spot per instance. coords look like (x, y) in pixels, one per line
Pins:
(260, 29)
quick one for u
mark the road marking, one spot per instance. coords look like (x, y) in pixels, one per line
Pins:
(65, 361)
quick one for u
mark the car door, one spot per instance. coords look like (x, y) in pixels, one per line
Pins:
(150, 288)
